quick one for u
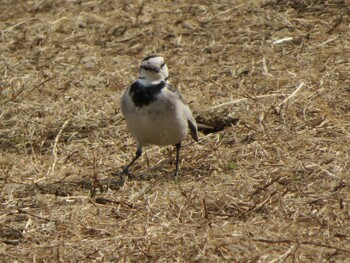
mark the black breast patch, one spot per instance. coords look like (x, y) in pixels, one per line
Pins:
(143, 95)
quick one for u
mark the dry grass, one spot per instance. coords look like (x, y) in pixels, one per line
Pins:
(272, 188)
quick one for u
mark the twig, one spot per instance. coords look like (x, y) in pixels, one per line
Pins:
(30, 214)
(54, 149)
(35, 87)
(336, 23)
(139, 11)
(282, 40)
(15, 257)
(205, 210)
(262, 204)
(128, 39)
(272, 241)
(12, 27)
(325, 245)
(259, 189)
(301, 243)
(284, 256)
(278, 108)
(40, 84)
(145, 190)
(232, 102)
(75, 66)
(265, 69)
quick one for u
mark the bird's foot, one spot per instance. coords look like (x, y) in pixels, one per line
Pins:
(176, 174)
(117, 173)
(126, 172)
(122, 172)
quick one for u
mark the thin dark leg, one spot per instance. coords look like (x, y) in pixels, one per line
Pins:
(138, 154)
(177, 159)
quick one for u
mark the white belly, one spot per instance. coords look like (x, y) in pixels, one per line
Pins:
(158, 123)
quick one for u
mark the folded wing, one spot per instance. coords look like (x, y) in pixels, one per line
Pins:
(192, 124)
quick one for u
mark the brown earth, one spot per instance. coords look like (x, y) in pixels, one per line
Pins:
(269, 184)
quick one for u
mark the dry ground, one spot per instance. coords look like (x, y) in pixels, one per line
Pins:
(273, 187)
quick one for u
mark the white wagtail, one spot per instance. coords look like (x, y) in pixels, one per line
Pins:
(155, 112)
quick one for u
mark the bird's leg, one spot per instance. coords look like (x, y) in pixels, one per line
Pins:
(138, 154)
(177, 159)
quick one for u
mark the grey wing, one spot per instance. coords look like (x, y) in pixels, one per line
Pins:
(192, 124)
(125, 103)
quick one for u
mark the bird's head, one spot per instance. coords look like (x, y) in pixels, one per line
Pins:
(154, 69)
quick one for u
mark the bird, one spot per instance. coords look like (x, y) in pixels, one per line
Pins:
(155, 112)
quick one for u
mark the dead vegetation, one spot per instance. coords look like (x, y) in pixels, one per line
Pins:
(271, 184)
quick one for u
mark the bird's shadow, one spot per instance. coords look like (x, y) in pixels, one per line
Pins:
(156, 173)
(163, 169)
(146, 174)
(134, 176)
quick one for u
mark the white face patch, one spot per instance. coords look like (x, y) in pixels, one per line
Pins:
(153, 62)
(153, 68)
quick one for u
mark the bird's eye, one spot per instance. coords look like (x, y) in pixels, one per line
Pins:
(162, 65)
